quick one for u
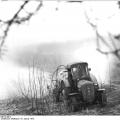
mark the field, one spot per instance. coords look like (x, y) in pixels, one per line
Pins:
(21, 106)
(47, 106)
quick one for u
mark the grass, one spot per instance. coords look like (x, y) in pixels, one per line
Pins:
(47, 106)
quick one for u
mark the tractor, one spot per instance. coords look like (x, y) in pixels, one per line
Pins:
(77, 87)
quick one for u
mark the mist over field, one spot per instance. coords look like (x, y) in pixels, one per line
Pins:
(48, 57)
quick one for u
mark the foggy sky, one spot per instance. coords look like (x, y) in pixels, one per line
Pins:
(49, 54)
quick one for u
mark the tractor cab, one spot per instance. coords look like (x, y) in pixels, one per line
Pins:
(79, 71)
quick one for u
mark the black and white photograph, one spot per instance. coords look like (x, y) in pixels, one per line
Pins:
(59, 58)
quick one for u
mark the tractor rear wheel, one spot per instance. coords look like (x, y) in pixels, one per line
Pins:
(64, 94)
(56, 95)
(65, 97)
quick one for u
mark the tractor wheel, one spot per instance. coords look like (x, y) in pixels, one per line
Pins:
(103, 99)
(64, 95)
(56, 95)
(73, 106)
(65, 98)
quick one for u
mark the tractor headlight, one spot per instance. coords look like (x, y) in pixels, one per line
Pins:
(96, 86)
(79, 89)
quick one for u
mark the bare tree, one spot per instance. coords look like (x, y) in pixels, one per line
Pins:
(99, 38)
(22, 89)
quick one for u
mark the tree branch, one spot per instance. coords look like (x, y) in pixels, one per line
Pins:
(99, 37)
(16, 20)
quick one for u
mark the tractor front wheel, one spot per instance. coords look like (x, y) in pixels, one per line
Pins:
(73, 106)
(102, 98)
